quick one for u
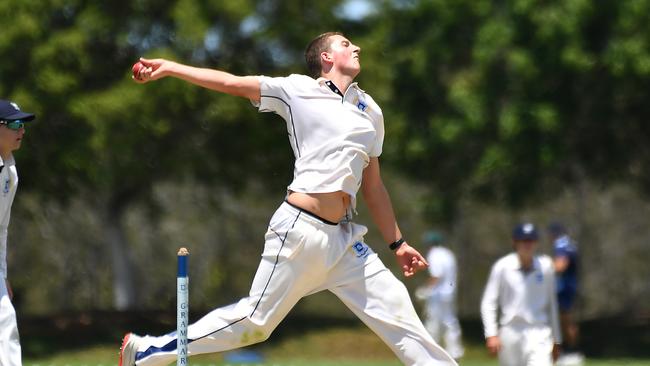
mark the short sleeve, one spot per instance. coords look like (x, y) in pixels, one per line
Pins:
(273, 94)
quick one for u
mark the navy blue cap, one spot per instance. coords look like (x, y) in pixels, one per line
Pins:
(525, 231)
(9, 111)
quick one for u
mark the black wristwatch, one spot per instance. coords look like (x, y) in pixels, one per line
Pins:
(396, 244)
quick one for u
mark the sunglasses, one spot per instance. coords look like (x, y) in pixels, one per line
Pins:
(14, 125)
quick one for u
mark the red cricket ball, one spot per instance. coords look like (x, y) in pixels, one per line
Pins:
(137, 67)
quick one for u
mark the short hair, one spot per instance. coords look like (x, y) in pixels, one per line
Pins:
(314, 49)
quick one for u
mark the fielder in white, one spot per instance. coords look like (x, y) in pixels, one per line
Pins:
(12, 131)
(521, 291)
(440, 295)
(336, 132)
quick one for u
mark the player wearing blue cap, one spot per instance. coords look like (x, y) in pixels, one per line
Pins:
(520, 293)
(12, 130)
(336, 132)
(565, 259)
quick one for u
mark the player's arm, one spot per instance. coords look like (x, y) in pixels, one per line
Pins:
(489, 308)
(436, 269)
(553, 312)
(10, 292)
(381, 209)
(221, 81)
(4, 232)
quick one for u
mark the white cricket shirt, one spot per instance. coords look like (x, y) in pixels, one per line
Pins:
(8, 185)
(442, 265)
(332, 133)
(522, 297)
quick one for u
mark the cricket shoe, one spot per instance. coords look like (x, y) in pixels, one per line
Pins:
(128, 350)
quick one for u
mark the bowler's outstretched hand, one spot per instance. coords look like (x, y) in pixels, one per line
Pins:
(410, 260)
(153, 69)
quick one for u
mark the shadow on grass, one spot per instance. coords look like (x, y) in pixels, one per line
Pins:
(48, 335)
(615, 337)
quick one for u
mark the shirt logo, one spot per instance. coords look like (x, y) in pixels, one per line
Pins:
(361, 249)
(5, 190)
(362, 106)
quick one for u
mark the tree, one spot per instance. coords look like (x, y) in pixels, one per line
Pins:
(511, 100)
(103, 137)
(502, 101)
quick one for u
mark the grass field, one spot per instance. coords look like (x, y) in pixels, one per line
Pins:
(105, 355)
(330, 347)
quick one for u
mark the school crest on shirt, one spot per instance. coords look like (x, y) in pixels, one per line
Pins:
(361, 104)
(361, 249)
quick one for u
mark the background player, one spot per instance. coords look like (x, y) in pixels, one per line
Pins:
(565, 260)
(336, 132)
(440, 295)
(521, 292)
(12, 130)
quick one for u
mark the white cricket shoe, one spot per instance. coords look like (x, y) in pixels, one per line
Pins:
(128, 350)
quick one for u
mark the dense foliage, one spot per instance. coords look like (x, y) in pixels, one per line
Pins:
(504, 101)
(493, 98)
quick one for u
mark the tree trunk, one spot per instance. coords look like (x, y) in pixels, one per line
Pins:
(124, 293)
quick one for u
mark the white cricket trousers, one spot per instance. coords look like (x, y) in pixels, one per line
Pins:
(9, 341)
(442, 323)
(525, 345)
(304, 255)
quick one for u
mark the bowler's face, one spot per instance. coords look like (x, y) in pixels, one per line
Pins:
(345, 55)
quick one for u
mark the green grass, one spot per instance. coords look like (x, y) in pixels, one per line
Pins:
(107, 355)
(330, 347)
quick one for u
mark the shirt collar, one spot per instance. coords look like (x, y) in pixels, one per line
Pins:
(323, 81)
(3, 162)
(534, 267)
